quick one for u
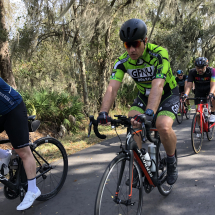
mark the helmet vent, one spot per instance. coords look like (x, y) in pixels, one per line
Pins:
(134, 32)
(128, 31)
(123, 33)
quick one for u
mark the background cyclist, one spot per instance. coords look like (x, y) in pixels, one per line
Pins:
(204, 80)
(181, 80)
(13, 119)
(149, 66)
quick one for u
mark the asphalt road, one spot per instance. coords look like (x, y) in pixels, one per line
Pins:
(194, 191)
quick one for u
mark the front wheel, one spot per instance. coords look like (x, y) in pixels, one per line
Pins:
(51, 166)
(196, 134)
(179, 116)
(164, 189)
(113, 191)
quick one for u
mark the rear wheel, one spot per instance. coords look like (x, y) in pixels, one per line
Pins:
(196, 134)
(108, 201)
(210, 133)
(51, 166)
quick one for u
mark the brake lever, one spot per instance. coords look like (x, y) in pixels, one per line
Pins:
(89, 129)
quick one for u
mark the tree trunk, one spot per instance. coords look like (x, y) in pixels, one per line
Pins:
(78, 42)
(5, 63)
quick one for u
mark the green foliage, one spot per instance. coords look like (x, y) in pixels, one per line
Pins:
(127, 93)
(54, 108)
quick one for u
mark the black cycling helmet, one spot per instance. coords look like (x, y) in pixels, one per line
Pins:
(201, 62)
(179, 72)
(133, 29)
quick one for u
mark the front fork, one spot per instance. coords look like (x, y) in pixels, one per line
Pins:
(130, 154)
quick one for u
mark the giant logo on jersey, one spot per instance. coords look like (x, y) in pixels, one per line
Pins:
(144, 74)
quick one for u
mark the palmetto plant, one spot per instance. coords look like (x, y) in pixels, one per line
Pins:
(54, 107)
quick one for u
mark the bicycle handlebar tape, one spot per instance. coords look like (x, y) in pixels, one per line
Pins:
(95, 128)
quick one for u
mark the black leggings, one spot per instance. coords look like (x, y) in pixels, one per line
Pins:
(15, 123)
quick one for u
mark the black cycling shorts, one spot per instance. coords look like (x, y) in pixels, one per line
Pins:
(15, 123)
(168, 106)
(202, 93)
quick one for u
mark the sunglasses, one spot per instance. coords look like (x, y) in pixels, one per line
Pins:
(134, 44)
(179, 75)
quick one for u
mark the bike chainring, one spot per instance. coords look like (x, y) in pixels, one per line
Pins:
(10, 194)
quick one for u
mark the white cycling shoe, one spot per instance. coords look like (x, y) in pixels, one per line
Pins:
(28, 200)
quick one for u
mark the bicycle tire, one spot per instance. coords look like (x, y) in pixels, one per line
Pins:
(210, 133)
(196, 141)
(48, 148)
(164, 189)
(179, 118)
(104, 204)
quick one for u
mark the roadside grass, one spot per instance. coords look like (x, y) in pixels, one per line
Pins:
(76, 142)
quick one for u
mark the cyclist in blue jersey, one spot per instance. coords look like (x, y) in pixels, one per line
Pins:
(13, 119)
(181, 80)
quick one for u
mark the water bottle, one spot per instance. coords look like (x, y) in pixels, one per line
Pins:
(14, 160)
(152, 152)
(205, 110)
(146, 156)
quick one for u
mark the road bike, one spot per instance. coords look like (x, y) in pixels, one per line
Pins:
(51, 167)
(201, 124)
(117, 192)
(183, 110)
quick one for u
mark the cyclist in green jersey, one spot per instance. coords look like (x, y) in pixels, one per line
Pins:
(148, 64)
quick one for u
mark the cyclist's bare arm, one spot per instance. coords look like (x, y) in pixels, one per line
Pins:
(212, 87)
(185, 84)
(155, 94)
(110, 95)
(188, 87)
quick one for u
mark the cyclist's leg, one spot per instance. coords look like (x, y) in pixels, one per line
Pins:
(138, 107)
(165, 118)
(16, 127)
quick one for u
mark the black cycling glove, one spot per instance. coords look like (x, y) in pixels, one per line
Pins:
(147, 117)
(211, 95)
(103, 118)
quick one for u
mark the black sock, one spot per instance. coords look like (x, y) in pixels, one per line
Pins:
(171, 158)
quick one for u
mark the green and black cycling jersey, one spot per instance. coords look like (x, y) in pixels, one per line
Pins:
(154, 63)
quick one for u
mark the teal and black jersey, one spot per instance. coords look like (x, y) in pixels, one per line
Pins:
(154, 63)
(9, 98)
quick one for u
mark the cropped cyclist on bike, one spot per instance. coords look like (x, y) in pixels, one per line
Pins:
(149, 66)
(13, 119)
(203, 77)
(182, 81)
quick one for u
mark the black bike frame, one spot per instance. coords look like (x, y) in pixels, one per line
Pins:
(13, 186)
(21, 175)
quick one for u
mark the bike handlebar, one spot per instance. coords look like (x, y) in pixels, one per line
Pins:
(202, 98)
(122, 120)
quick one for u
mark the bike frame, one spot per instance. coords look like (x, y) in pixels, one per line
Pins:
(18, 186)
(13, 186)
(202, 118)
(132, 150)
(182, 104)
